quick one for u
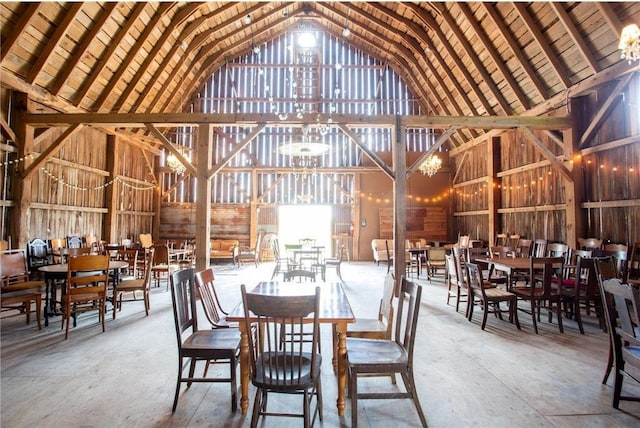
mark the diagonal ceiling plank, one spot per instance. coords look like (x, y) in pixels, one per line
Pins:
(495, 57)
(610, 16)
(514, 48)
(82, 49)
(6, 43)
(542, 43)
(6, 129)
(126, 63)
(577, 39)
(106, 56)
(474, 57)
(153, 54)
(51, 150)
(55, 39)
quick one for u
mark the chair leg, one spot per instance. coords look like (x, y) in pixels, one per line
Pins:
(411, 385)
(39, 311)
(353, 390)
(485, 311)
(533, 316)
(234, 387)
(607, 370)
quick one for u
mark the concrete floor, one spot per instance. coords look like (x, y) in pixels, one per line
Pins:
(125, 377)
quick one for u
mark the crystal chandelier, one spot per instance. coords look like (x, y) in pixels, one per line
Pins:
(630, 43)
(175, 165)
(431, 165)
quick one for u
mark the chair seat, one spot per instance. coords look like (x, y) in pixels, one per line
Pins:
(526, 291)
(26, 285)
(215, 343)
(369, 354)
(281, 379)
(367, 327)
(130, 284)
(82, 297)
(498, 293)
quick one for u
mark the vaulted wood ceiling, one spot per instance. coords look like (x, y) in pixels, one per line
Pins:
(460, 59)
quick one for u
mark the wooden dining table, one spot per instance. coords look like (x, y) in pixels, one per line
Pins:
(335, 309)
(59, 272)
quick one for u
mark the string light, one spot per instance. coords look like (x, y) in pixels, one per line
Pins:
(19, 160)
(102, 186)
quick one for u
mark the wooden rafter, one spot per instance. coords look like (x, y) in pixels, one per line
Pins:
(497, 60)
(132, 53)
(82, 49)
(54, 40)
(152, 55)
(6, 43)
(577, 39)
(550, 56)
(6, 129)
(609, 15)
(514, 48)
(88, 83)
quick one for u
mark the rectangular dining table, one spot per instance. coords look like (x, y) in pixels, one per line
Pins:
(335, 309)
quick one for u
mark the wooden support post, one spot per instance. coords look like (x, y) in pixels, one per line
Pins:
(399, 155)
(110, 226)
(356, 216)
(203, 192)
(19, 222)
(494, 193)
(574, 189)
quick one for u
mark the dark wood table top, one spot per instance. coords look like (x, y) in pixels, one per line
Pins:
(334, 304)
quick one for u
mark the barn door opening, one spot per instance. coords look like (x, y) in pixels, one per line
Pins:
(296, 222)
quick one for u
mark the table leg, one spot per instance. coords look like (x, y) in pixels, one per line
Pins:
(244, 369)
(341, 330)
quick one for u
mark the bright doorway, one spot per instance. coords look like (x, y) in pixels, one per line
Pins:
(297, 222)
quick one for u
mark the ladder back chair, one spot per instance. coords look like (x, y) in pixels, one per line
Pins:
(622, 310)
(382, 356)
(294, 368)
(220, 345)
(490, 298)
(133, 285)
(86, 288)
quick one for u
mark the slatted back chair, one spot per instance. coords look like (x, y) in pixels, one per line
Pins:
(501, 240)
(87, 279)
(539, 248)
(282, 262)
(294, 368)
(17, 291)
(380, 356)
(220, 345)
(132, 285)
(380, 327)
(75, 242)
(590, 243)
(524, 247)
(213, 310)
(490, 298)
(622, 311)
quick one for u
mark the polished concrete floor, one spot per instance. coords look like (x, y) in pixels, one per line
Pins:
(125, 377)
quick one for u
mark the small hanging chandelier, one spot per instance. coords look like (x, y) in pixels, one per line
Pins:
(175, 165)
(630, 43)
(431, 165)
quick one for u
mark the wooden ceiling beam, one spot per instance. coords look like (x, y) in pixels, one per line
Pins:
(493, 53)
(139, 120)
(577, 39)
(154, 53)
(53, 41)
(548, 154)
(114, 43)
(51, 150)
(82, 49)
(533, 29)
(167, 145)
(126, 64)
(514, 48)
(7, 43)
(606, 10)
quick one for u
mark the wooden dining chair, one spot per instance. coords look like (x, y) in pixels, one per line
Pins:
(539, 290)
(334, 263)
(381, 356)
(296, 368)
(160, 264)
(622, 310)
(132, 286)
(489, 297)
(456, 283)
(539, 248)
(17, 291)
(194, 344)
(301, 275)
(382, 326)
(606, 269)
(435, 261)
(86, 288)
(208, 296)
